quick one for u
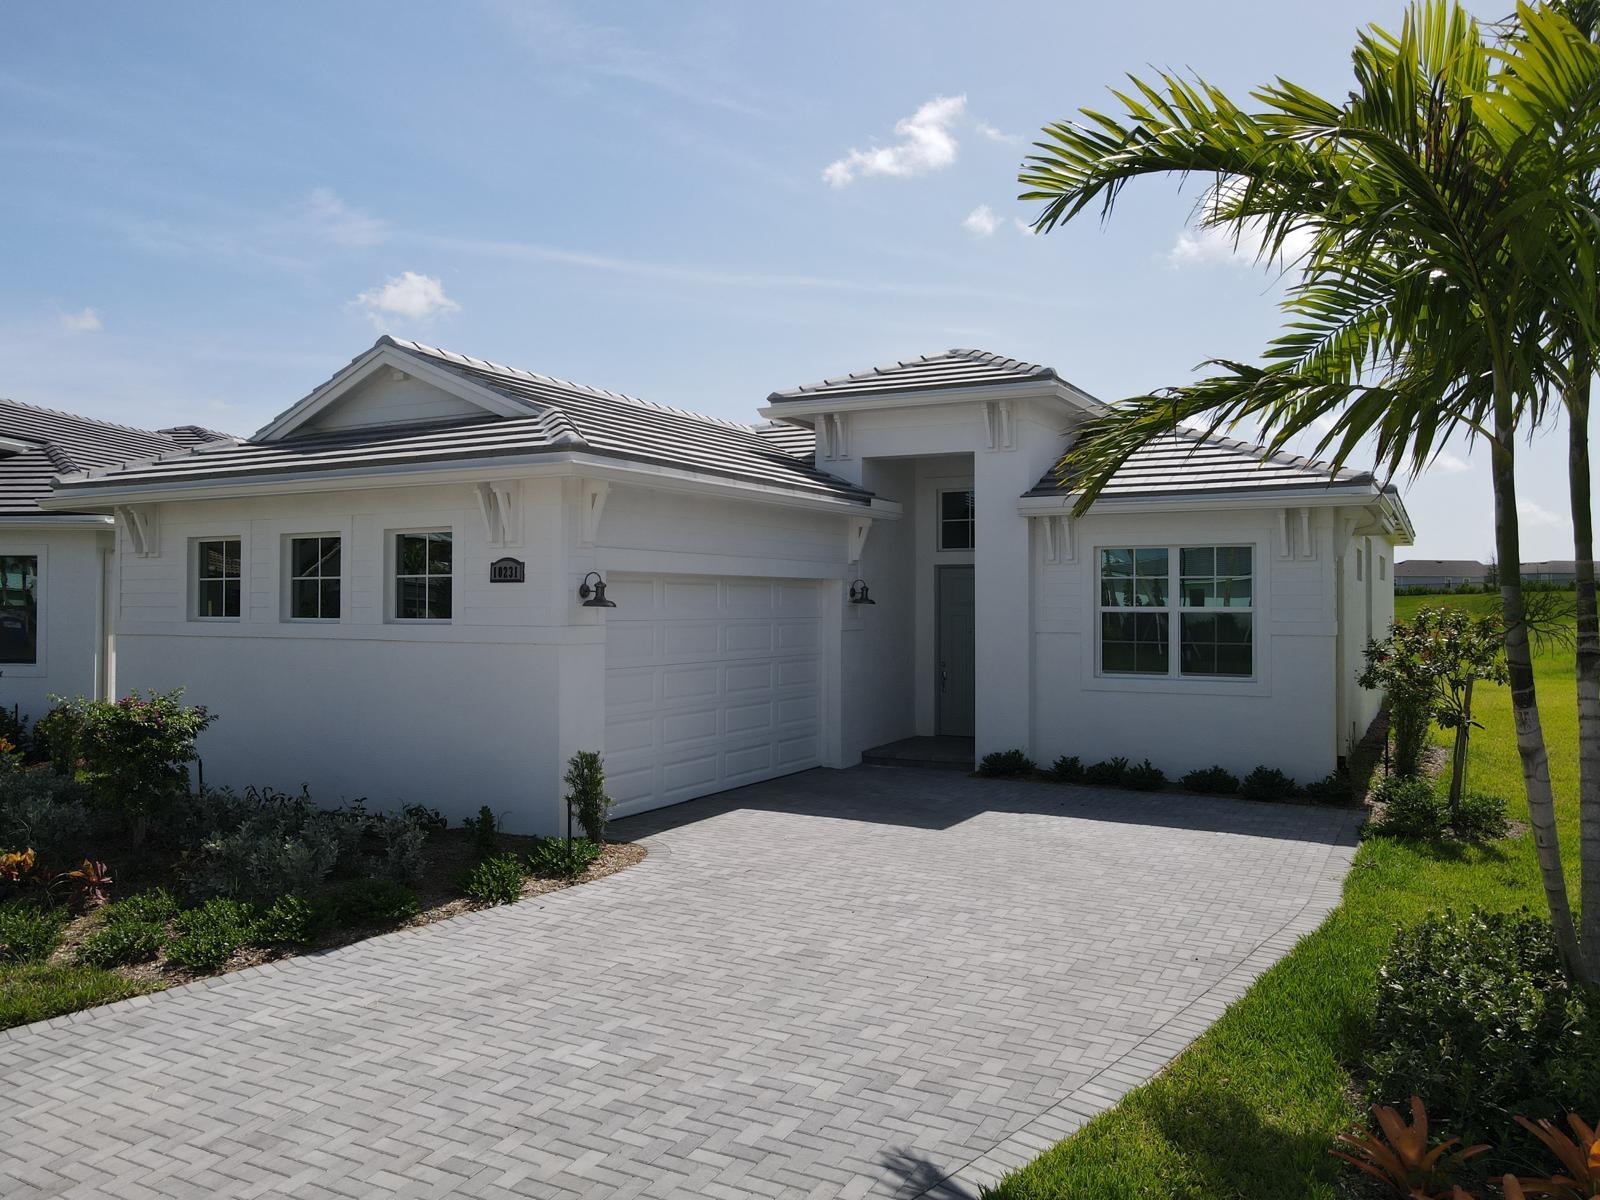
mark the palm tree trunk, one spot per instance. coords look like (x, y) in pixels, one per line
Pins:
(1588, 657)
(1524, 701)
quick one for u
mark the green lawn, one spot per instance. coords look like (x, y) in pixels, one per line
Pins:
(1251, 1108)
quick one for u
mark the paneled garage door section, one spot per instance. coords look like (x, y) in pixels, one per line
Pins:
(710, 684)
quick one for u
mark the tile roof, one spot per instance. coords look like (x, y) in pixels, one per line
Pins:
(798, 440)
(60, 443)
(1186, 462)
(562, 416)
(1429, 567)
(931, 372)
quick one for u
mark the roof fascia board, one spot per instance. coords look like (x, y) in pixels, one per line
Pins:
(1333, 497)
(388, 355)
(80, 496)
(75, 520)
(1037, 389)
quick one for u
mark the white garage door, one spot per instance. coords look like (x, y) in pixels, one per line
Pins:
(710, 684)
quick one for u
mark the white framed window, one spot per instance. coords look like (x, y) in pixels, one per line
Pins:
(314, 573)
(1361, 566)
(956, 524)
(216, 567)
(19, 609)
(1202, 595)
(424, 576)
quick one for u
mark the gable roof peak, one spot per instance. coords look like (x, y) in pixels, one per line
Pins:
(958, 367)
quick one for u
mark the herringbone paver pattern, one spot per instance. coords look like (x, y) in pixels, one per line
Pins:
(842, 984)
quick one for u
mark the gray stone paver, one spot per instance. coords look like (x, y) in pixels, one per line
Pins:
(869, 983)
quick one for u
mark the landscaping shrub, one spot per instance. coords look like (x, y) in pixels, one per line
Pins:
(1144, 778)
(1475, 1015)
(1005, 763)
(371, 902)
(484, 831)
(429, 820)
(291, 920)
(1109, 773)
(263, 859)
(1212, 781)
(400, 844)
(1267, 783)
(56, 735)
(14, 729)
(206, 937)
(134, 753)
(156, 905)
(586, 793)
(495, 880)
(29, 932)
(556, 858)
(44, 810)
(1410, 808)
(1066, 769)
(122, 940)
(1480, 818)
(1333, 788)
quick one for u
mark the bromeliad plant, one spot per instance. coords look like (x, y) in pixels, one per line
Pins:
(1403, 1157)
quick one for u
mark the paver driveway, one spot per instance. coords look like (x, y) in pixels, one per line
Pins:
(868, 983)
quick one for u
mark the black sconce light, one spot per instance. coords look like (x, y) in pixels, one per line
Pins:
(594, 597)
(858, 593)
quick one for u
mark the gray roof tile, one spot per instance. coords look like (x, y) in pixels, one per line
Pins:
(931, 372)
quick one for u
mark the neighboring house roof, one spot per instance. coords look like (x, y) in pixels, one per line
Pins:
(562, 416)
(1186, 462)
(931, 372)
(46, 443)
(1428, 568)
(1551, 566)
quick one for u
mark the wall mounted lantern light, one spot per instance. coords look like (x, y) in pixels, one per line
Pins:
(594, 597)
(858, 593)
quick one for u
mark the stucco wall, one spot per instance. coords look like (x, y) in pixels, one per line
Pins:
(1284, 717)
(69, 647)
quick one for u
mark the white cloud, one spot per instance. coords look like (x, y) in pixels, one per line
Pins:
(409, 295)
(85, 321)
(330, 218)
(996, 135)
(981, 221)
(1531, 512)
(1450, 464)
(1024, 227)
(927, 143)
(1212, 246)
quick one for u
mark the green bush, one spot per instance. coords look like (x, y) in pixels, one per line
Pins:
(1006, 763)
(1410, 808)
(29, 932)
(1066, 769)
(1212, 781)
(1333, 788)
(586, 793)
(1268, 783)
(371, 902)
(484, 831)
(1475, 1015)
(46, 811)
(1480, 818)
(157, 905)
(291, 920)
(1144, 778)
(429, 820)
(556, 858)
(1109, 773)
(122, 940)
(206, 937)
(496, 880)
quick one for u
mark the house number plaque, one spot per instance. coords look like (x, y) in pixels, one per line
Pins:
(507, 570)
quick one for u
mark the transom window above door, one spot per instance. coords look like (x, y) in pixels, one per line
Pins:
(956, 525)
(423, 576)
(1206, 592)
(217, 565)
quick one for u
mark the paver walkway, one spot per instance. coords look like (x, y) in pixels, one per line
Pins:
(869, 983)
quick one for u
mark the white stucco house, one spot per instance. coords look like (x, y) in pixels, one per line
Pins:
(390, 590)
(57, 568)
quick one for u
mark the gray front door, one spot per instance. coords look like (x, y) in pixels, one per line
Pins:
(954, 669)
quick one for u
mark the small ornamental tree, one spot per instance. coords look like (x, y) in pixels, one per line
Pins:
(1428, 666)
(134, 753)
(586, 794)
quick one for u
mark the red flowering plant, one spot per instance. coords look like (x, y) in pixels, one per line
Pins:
(134, 753)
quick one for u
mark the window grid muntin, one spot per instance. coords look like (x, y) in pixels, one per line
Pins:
(315, 592)
(424, 572)
(19, 609)
(1214, 611)
(218, 571)
(957, 532)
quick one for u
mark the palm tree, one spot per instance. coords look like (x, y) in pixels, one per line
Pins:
(1440, 215)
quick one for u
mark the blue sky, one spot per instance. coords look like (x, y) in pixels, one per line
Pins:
(208, 209)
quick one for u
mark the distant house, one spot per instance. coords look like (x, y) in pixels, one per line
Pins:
(1552, 570)
(1440, 572)
(57, 568)
(436, 577)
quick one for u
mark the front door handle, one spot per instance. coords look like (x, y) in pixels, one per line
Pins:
(944, 677)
